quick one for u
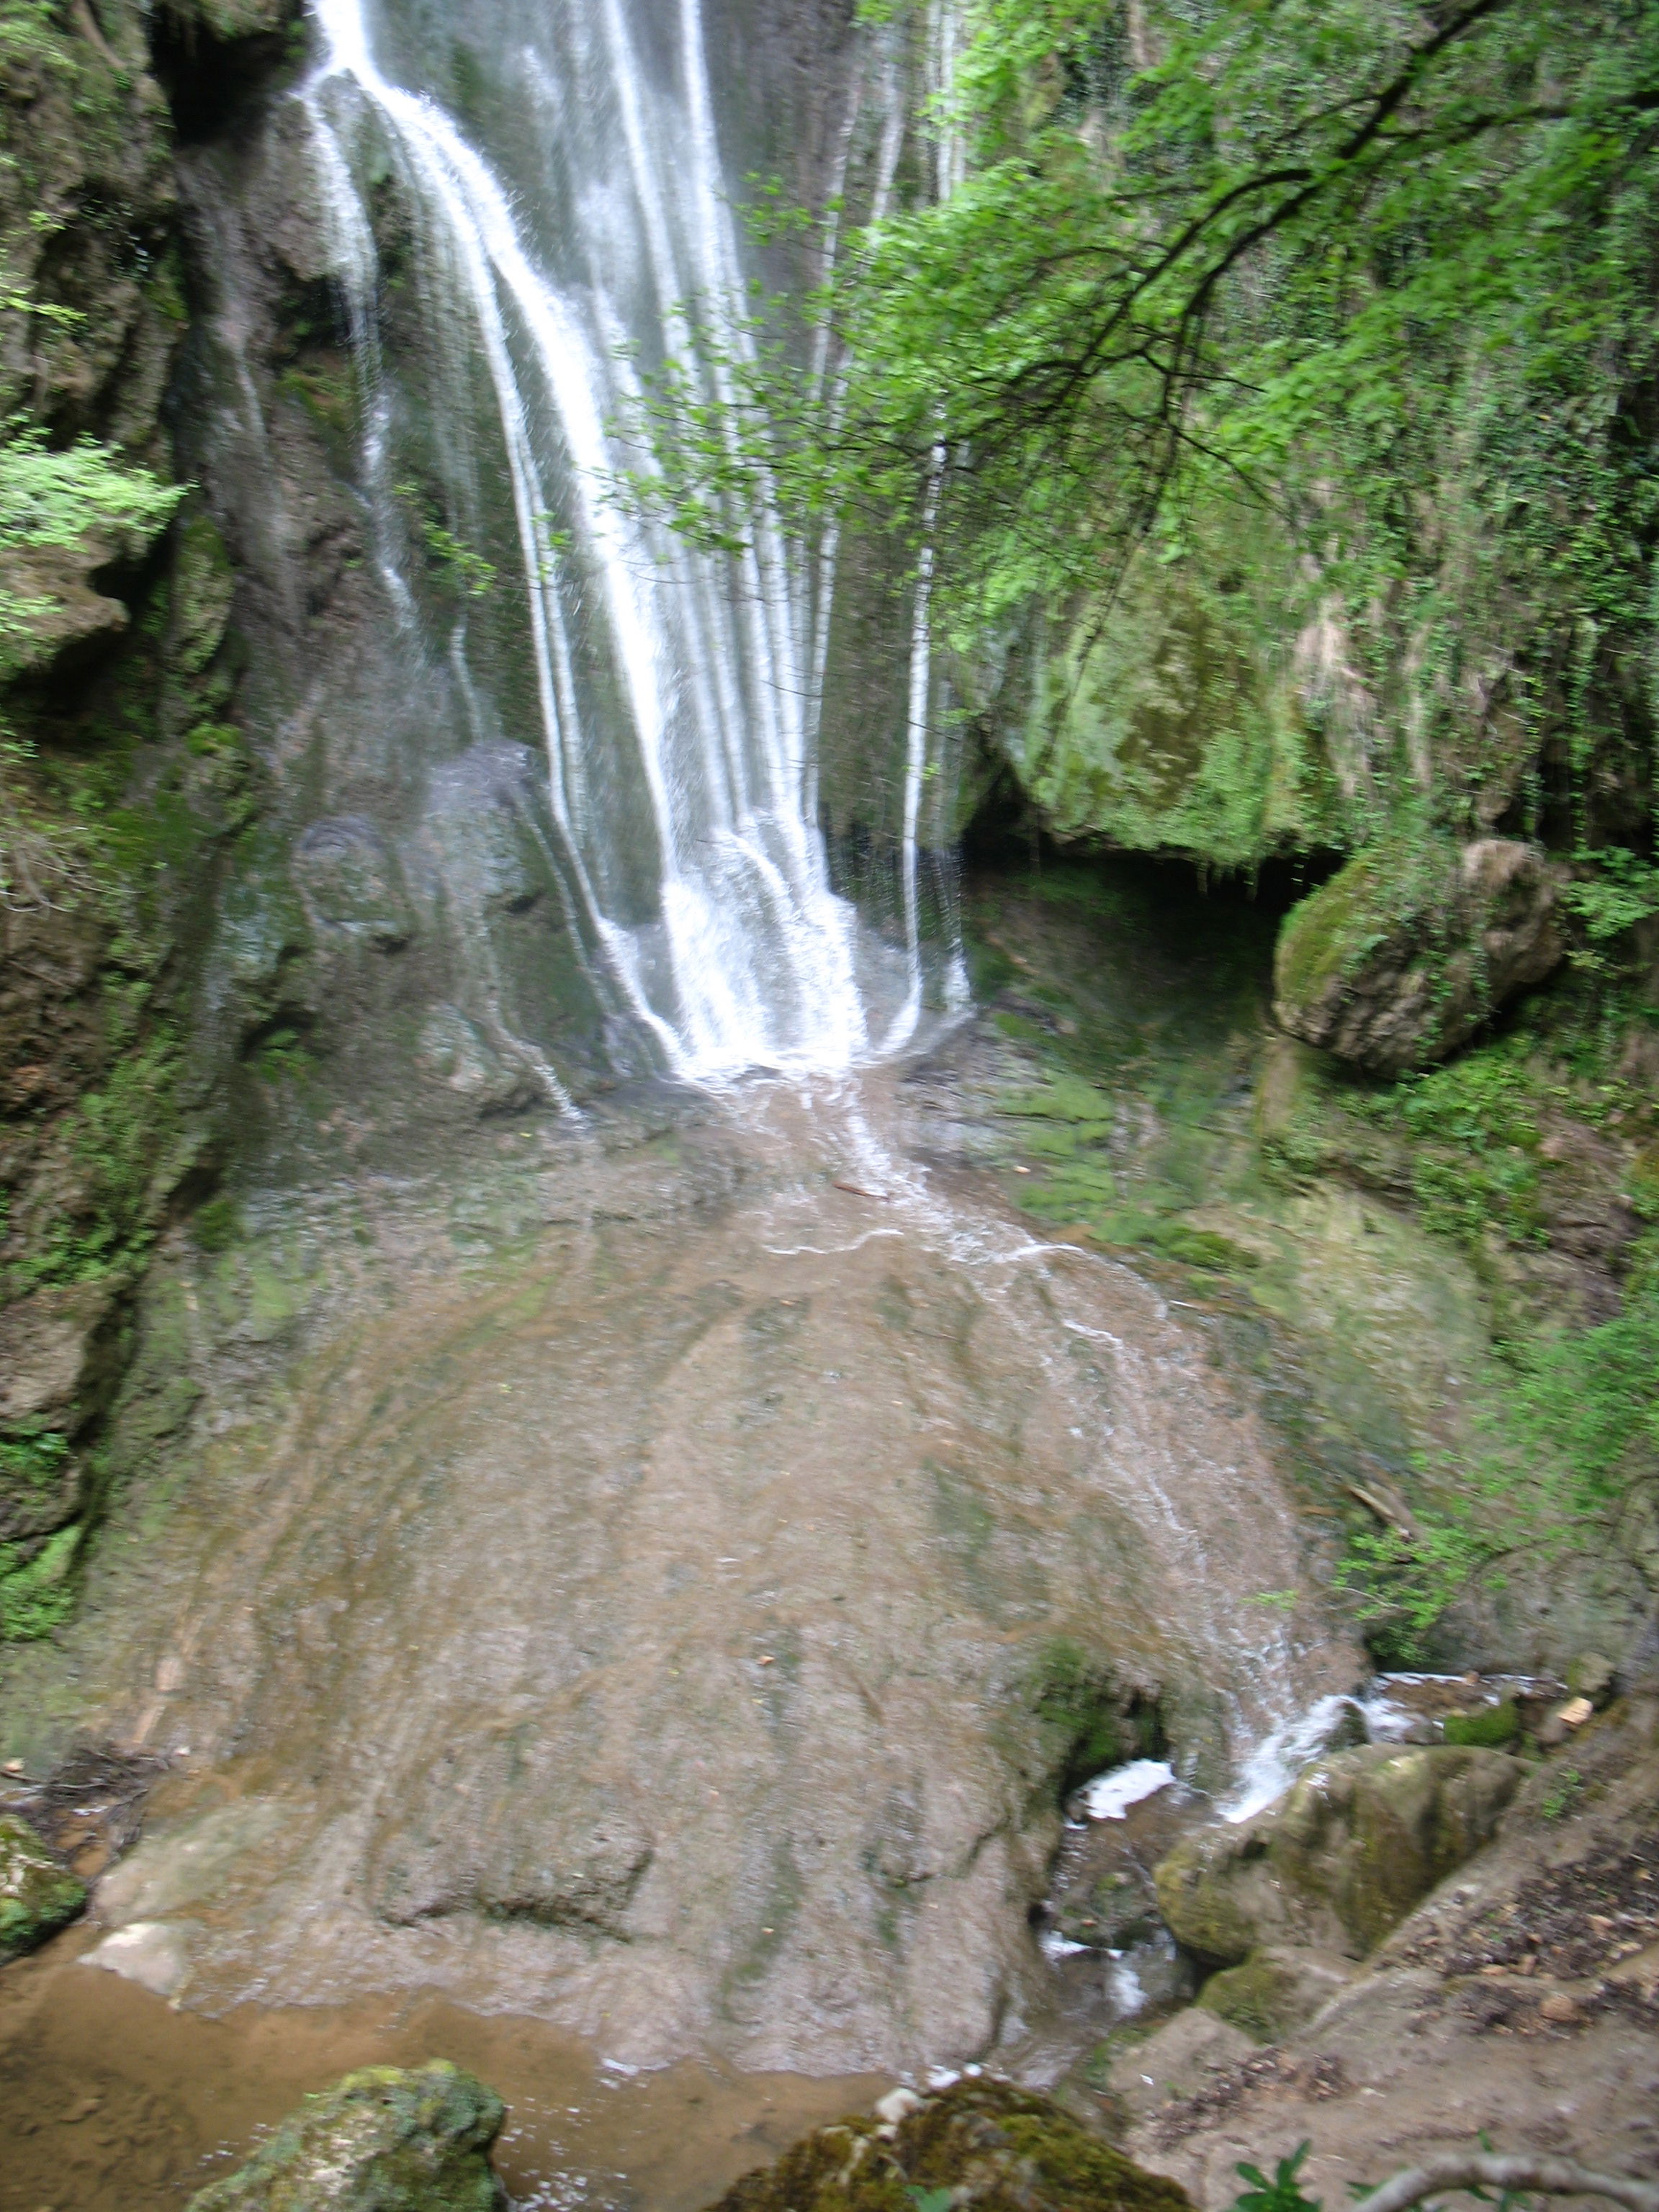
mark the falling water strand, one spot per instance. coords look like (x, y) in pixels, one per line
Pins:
(942, 40)
(750, 956)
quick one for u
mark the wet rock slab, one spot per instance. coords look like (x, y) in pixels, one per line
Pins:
(631, 1578)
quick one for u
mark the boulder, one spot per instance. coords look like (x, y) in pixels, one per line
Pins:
(388, 2139)
(980, 2146)
(1277, 1989)
(37, 1895)
(1401, 956)
(1342, 1857)
(1177, 2060)
(56, 1355)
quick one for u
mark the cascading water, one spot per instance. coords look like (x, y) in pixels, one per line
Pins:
(662, 676)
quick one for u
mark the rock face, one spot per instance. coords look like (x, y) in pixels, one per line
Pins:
(981, 2144)
(1402, 954)
(1341, 1858)
(1277, 1988)
(36, 1894)
(384, 2140)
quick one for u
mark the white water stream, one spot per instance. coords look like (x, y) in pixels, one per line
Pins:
(742, 955)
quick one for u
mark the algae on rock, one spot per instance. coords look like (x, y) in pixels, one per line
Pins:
(1342, 1857)
(1400, 958)
(37, 1895)
(387, 2139)
(980, 2146)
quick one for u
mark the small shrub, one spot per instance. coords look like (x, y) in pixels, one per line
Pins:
(1282, 2194)
(1564, 1797)
(216, 1224)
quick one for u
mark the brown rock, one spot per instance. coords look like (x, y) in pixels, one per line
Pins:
(54, 1349)
(1408, 948)
(1559, 2009)
(1342, 1857)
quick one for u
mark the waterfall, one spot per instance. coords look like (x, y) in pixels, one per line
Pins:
(673, 688)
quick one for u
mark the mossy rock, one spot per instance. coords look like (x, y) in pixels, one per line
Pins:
(1359, 1840)
(1400, 957)
(1275, 1991)
(388, 2139)
(37, 1895)
(1494, 1727)
(978, 2144)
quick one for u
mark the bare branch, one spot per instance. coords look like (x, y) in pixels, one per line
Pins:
(1555, 2176)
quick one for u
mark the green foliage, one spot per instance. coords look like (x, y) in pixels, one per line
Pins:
(37, 1595)
(1563, 1795)
(1373, 279)
(450, 554)
(282, 1056)
(1474, 1127)
(54, 500)
(31, 1462)
(1565, 1455)
(1623, 892)
(1282, 2194)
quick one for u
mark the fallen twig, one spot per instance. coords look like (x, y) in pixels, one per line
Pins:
(1556, 2177)
(1385, 1514)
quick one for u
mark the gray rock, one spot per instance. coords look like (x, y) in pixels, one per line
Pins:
(1592, 1676)
(54, 1349)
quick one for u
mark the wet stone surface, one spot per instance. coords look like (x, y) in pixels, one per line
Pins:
(661, 1579)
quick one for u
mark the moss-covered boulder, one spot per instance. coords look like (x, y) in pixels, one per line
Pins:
(1277, 1989)
(1342, 1857)
(980, 2144)
(37, 1895)
(389, 2139)
(1400, 957)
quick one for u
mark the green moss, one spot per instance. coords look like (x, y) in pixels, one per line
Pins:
(1165, 721)
(37, 1895)
(37, 1595)
(1076, 1706)
(1497, 1726)
(216, 1224)
(31, 1462)
(386, 2139)
(1013, 2150)
(1259, 1996)
(1327, 934)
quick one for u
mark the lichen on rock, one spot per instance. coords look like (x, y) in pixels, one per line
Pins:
(388, 2139)
(980, 2144)
(37, 1895)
